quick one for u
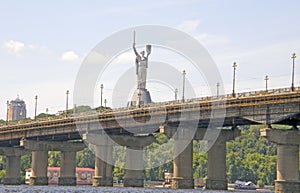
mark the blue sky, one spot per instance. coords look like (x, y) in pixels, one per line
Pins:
(42, 43)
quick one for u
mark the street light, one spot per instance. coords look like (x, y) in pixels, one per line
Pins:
(218, 86)
(266, 79)
(67, 102)
(183, 84)
(233, 83)
(35, 108)
(176, 92)
(7, 109)
(293, 76)
(105, 101)
(101, 86)
(47, 110)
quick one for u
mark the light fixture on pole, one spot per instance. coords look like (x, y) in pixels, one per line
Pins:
(67, 102)
(183, 84)
(101, 86)
(233, 82)
(35, 107)
(293, 72)
(218, 87)
(105, 101)
(266, 79)
(7, 109)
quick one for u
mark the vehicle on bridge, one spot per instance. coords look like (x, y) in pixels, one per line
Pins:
(84, 175)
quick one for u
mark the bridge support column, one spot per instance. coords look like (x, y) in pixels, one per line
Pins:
(39, 168)
(134, 166)
(12, 176)
(40, 160)
(287, 158)
(134, 175)
(67, 169)
(216, 170)
(103, 158)
(13, 160)
(182, 166)
(183, 155)
(103, 169)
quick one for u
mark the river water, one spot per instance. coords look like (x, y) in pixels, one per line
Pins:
(90, 189)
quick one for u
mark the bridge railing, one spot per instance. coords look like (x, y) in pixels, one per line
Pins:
(205, 99)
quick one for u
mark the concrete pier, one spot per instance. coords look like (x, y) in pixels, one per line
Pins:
(103, 158)
(103, 170)
(288, 141)
(216, 167)
(40, 160)
(67, 169)
(182, 166)
(39, 168)
(134, 173)
(216, 172)
(13, 160)
(134, 177)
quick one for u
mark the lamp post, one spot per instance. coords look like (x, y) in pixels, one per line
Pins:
(293, 72)
(7, 109)
(35, 107)
(105, 101)
(218, 88)
(101, 86)
(183, 84)
(233, 83)
(266, 79)
(47, 110)
(176, 92)
(67, 102)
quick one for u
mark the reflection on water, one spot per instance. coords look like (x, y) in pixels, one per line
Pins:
(90, 189)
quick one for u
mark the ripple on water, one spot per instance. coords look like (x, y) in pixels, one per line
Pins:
(90, 189)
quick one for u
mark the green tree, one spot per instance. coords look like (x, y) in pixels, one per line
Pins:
(54, 158)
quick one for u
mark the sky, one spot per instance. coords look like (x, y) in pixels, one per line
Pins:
(43, 43)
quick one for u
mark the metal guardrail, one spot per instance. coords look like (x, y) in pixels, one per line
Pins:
(208, 100)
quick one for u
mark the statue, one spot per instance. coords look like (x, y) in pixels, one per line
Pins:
(141, 62)
(141, 95)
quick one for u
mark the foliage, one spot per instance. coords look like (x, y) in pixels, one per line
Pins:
(2, 175)
(54, 158)
(251, 158)
(85, 158)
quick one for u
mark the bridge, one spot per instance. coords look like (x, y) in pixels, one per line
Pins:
(133, 127)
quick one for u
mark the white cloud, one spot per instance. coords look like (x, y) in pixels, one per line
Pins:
(191, 26)
(69, 56)
(125, 58)
(14, 46)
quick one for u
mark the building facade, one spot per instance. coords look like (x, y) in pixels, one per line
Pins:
(16, 110)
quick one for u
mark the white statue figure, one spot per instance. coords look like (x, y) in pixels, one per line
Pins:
(141, 63)
(141, 95)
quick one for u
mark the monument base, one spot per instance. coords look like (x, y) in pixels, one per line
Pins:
(144, 98)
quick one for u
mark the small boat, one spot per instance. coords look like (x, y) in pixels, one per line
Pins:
(244, 185)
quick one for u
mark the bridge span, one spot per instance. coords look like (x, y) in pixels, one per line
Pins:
(133, 127)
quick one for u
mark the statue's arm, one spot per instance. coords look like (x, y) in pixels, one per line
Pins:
(134, 49)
